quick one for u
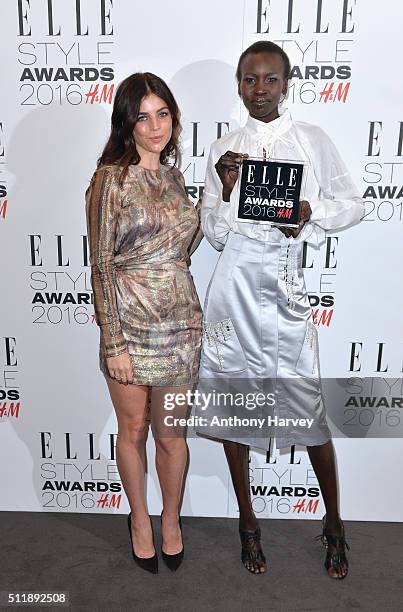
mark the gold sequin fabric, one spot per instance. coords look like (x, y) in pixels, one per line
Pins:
(144, 296)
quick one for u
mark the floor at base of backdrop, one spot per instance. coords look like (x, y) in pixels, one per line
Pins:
(88, 555)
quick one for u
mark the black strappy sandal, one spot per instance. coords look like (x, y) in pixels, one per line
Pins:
(251, 550)
(338, 559)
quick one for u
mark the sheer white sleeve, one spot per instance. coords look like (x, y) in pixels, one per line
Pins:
(338, 204)
(215, 214)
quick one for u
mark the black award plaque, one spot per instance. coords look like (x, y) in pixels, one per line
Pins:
(270, 191)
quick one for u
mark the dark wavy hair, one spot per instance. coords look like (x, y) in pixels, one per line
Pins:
(264, 46)
(121, 147)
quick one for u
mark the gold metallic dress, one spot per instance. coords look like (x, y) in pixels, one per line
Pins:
(144, 296)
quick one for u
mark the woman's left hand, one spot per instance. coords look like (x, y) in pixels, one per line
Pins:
(304, 216)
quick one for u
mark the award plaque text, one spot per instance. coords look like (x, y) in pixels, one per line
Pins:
(270, 191)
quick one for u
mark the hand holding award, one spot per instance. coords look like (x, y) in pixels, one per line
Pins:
(269, 193)
(304, 216)
(227, 169)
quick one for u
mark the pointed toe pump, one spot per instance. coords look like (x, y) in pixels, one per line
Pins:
(149, 564)
(173, 561)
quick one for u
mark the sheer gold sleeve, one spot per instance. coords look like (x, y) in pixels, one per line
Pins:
(102, 206)
(198, 236)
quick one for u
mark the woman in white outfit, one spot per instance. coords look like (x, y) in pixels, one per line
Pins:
(257, 315)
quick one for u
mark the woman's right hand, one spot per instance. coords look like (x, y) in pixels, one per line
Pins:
(228, 170)
(120, 368)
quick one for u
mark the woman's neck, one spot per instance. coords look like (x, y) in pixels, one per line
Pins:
(271, 117)
(150, 161)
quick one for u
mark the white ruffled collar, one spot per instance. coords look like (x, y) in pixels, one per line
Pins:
(273, 128)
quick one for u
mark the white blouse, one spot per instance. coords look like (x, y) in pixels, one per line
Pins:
(329, 189)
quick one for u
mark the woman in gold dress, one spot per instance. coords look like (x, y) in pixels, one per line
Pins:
(142, 229)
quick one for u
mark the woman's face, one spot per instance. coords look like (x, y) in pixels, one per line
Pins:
(153, 128)
(262, 84)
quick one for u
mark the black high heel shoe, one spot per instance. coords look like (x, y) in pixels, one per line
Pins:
(252, 554)
(150, 564)
(173, 561)
(336, 560)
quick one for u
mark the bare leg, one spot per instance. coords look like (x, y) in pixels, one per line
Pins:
(324, 464)
(238, 462)
(172, 457)
(131, 407)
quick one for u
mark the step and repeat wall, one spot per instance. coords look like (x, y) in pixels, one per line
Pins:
(61, 62)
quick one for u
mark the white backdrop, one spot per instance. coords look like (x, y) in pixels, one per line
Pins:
(57, 425)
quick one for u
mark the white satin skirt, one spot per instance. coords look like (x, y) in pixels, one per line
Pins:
(260, 355)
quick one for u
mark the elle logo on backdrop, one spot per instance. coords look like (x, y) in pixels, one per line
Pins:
(318, 36)
(75, 475)
(55, 29)
(63, 293)
(77, 50)
(383, 172)
(9, 389)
